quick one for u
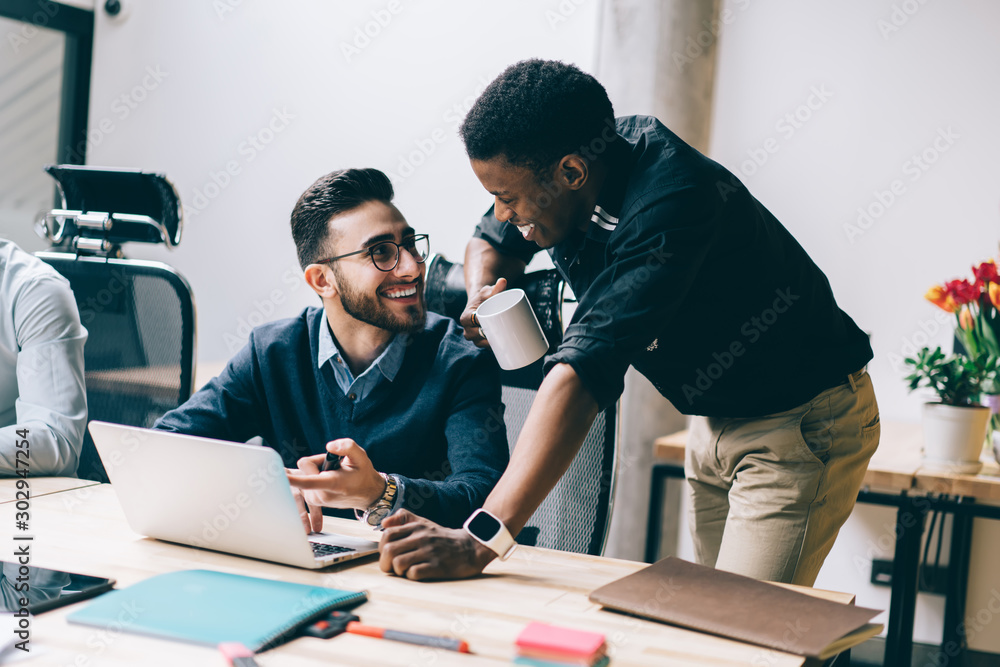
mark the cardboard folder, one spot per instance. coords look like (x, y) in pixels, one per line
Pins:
(701, 598)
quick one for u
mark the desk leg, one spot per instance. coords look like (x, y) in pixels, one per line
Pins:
(905, 573)
(654, 525)
(953, 641)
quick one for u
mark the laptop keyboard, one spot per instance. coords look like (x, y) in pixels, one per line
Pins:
(321, 550)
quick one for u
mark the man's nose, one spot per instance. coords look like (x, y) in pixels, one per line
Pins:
(502, 212)
(407, 264)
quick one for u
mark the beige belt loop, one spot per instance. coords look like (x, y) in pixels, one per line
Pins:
(854, 385)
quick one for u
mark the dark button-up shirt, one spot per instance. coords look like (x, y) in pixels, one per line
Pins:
(682, 274)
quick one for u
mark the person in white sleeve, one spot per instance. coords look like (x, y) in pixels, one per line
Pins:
(43, 400)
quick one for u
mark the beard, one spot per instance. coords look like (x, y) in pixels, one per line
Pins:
(370, 310)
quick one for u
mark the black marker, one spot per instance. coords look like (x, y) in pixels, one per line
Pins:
(332, 462)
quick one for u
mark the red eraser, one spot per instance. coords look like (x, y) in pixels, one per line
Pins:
(236, 653)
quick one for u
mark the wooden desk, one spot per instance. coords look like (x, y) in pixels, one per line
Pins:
(40, 486)
(84, 530)
(896, 478)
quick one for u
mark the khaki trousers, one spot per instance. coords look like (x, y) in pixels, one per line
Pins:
(769, 494)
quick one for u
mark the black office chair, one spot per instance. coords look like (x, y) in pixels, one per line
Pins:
(140, 352)
(576, 514)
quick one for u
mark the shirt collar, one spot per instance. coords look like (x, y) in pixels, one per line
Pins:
(388, 363)
(604, 218)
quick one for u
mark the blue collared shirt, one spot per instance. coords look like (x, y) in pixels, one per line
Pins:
(385, 366)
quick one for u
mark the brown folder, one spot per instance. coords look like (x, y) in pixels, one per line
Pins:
(730, 605)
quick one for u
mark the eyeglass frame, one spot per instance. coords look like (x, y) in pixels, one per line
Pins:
(399, 249)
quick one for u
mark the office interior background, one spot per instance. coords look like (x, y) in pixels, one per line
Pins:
(868, 127)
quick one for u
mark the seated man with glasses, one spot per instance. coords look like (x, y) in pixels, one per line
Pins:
(411, 406)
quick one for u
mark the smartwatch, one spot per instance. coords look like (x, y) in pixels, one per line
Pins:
(491, 533)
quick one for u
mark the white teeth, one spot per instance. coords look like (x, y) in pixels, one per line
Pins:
(526, 229)
(400, 294)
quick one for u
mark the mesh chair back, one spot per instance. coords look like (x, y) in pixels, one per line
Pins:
(576, 514)
(139, 356)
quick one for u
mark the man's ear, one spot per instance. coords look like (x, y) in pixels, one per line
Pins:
(572, 171)
(321, 281)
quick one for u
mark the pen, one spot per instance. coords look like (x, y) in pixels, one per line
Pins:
(409, 637)
(332, 462)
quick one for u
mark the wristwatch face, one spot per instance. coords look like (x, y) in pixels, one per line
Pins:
(375, 516)
(484, 526)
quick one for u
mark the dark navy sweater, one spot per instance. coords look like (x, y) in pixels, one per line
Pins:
(438, 425)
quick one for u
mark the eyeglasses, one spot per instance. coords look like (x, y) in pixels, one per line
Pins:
(385, 255)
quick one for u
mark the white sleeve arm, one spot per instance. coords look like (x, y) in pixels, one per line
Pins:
(52, 399)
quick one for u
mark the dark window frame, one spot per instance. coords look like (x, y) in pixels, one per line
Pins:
(78, 26)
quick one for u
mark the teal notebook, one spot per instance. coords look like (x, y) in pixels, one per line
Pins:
(206, 607)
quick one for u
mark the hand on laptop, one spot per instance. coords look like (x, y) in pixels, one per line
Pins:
(417, 548)
(356, 485)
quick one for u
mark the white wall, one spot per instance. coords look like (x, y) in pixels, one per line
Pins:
(888, 98)
(886, 94)
(184, 88)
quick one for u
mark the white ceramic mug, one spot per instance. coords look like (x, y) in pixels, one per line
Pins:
(508, 322)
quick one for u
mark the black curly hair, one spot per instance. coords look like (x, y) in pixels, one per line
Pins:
(536, 112)
(337, 192)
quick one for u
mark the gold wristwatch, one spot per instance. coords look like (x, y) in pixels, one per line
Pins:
(373, 515)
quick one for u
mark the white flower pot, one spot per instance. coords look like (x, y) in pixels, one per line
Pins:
(953, 437)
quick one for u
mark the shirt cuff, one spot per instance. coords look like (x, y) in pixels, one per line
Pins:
(400, 490)
(593, 361)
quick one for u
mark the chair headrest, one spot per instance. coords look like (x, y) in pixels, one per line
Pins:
(111, 206)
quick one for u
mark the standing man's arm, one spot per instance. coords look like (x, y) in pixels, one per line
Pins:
(52, 399)
(419, 549)
(619, 316)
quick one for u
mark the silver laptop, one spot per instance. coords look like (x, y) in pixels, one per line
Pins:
(214, 495)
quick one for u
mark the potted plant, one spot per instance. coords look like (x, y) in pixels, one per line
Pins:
(955, 427)
(976, 306)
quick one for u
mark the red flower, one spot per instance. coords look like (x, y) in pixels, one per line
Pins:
(986, 272)
(962, 291)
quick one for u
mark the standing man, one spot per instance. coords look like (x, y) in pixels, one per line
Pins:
(682, 274)
(41, 368)
(412, 407)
